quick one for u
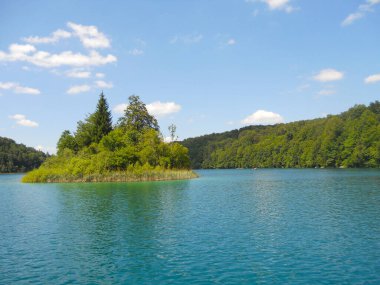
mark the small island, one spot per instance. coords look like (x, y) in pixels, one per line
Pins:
(132, 150)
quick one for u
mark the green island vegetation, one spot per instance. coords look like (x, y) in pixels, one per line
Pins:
(348, 140)
(17, 158)
(132, 150)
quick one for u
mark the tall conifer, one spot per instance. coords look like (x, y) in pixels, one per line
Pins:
(102, 119)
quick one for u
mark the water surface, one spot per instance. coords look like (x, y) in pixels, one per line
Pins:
(268, 226)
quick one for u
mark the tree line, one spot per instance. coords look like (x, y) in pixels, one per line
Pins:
(16, 157)
(350, 139)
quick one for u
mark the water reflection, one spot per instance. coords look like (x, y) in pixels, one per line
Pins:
(126, 222)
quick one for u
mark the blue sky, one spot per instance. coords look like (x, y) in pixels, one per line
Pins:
(206, 66)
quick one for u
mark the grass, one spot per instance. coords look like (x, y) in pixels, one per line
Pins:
(44, 175)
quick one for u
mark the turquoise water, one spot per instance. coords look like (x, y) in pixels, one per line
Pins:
(314, 226)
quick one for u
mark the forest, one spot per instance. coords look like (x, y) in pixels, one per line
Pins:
(16, 157)
(131, 150)
(348, 140)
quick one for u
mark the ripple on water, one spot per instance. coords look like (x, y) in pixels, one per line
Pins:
(227, 227)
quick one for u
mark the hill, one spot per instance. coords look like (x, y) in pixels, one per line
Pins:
(16, 157)
(350, 139)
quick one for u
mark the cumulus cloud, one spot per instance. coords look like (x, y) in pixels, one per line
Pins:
(78, 89)
(20, 50)
(159, 109)
(361, 12)
(49, 149)
(89, 36)
(187, 39)
(372, 78)
(28, 53)
(100, 75)
(329, 74)
(168, 139)
(23, 121)
(283, 5)
(75, 73)
(262, 117)
(17, 88)
(54, 37)
(119, 109)
(103, 84)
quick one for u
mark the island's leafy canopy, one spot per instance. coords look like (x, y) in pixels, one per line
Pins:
(97, 148)
(17, 157)
(351, 139)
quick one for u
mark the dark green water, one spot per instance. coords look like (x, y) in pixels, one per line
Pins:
(227, 227)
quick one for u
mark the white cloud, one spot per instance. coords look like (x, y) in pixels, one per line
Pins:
(372, 78)
(28, 53)
(49, 149)
(329, 74)
(168, 139)
(20, 50)
(187, 39)
(17, 88)
(326, 92)
(262, 117)
(75, 73)
(283, 5)
(89, 36)
(361, 12)
(162, 109)
(103, 84)
(78, 89)
(23, 121)
(159, 109)
(352, 18)
(100, 75)
(231, 42)
(55, 37)
(136, 52)
(119, 109)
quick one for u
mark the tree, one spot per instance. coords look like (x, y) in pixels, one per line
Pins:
(95, 126)
(66, 141)
(172, 129)
(84, 134)
(136, 116)
(102, 119)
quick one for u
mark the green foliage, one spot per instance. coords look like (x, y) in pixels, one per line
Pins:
(102, 119)
(351, 139)
(136, 116)
(95, 126)
(17, 157)
(127, 153)
(68, 141)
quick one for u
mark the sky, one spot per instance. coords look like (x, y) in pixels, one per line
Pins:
(206, 66)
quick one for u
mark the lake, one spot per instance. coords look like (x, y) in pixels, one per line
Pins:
(285, 226)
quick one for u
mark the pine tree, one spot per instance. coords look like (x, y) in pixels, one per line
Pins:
(102, 119)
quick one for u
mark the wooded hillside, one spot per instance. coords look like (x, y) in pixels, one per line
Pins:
(351, 139)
